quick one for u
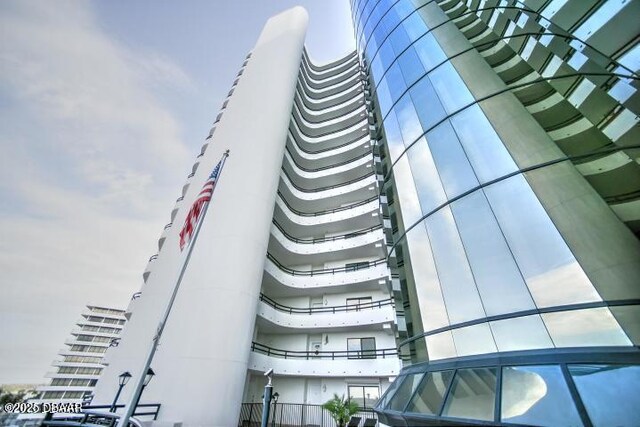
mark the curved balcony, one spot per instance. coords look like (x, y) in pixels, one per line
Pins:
(324, 198)
(382, 362)
(147, 270)
(322, 71)
(338, 109)
(323, 176)
(329, 140)
(328, 157)
(336, 87)
(335, 80)
(340, 73)
(372, 316)
(366, 243)
(313, 126)
(331, 97)
(360, 214)
(280, 280)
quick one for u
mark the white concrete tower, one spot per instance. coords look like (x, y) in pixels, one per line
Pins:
(202, 360)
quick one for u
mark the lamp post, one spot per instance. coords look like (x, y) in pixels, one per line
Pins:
(275, 397)
(147, 380)
(123, 379)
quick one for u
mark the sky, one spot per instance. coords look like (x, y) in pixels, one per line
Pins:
(104, 106)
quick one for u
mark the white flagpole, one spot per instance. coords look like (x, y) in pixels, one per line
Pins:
(130, 407)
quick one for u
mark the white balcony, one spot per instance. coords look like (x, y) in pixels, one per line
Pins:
(317, 140)
(348, 169)
(275, 319)
(354, 99)
(329, 156)
(277, 282)
(367, 243)
(328, 75)
(356, 112)
(320, 367)
(354, 79)
(328, 198)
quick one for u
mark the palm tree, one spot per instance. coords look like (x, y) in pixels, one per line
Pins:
(341, 409)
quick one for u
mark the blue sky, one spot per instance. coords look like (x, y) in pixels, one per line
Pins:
(103, 107)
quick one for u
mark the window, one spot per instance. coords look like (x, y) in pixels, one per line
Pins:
(73, 394)
(60, 382)
(361, 348)
(354, 303)
(366, 396)
(472, 394)
(52, 395)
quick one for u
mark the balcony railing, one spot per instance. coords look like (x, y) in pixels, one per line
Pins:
(326, 187)
(327, 211)
(334, 165)
(329, 309)
(382, 353)
(299, 415)
(320, 271)
(311, 240)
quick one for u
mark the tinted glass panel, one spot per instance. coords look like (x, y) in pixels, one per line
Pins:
(537, 395)
(610, 393)
(430, 394)
(406, 389)
(472, 394)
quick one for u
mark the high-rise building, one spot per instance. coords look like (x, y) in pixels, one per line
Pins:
(509, 137)
(289, 271)
(82, 360)
(462, 193)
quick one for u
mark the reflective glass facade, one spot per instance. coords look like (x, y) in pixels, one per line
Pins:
(508, 134)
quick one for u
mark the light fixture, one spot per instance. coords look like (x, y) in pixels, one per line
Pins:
(148, 377)
(124, 378)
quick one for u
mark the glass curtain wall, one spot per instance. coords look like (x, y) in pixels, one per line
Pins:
(483, 263)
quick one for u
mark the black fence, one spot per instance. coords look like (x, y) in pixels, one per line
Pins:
(325, 309)
(301, 415)
(381, 353)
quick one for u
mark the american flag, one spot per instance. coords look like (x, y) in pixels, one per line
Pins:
(196, 209)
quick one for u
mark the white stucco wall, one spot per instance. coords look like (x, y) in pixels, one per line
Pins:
(202, 359)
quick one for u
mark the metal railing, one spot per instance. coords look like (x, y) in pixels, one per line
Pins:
(99, 415)
(326, 211)
(311, 240)
(320, 271)
(328, 309)
(326, 187)
(334, 165)
(381, 353)
(300, 415)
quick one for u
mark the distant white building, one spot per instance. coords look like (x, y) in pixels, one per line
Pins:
(80, 364)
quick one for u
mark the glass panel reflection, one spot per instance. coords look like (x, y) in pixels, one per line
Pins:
(537, 395)
(489, 157)
(552, 273)
(591, 327)
(521, 333)
(497, 276)
(382, 403)
(451, 161)
(406, 389)
(430, 394)
(458, 287)
(609, 392)
(472, 394)
(472, 340)
(450, 88)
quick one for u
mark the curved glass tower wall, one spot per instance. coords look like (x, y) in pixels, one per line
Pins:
(509, 141)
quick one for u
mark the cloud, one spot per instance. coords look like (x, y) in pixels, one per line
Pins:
(92, 158)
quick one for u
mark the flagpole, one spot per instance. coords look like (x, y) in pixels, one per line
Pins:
(130, 407)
